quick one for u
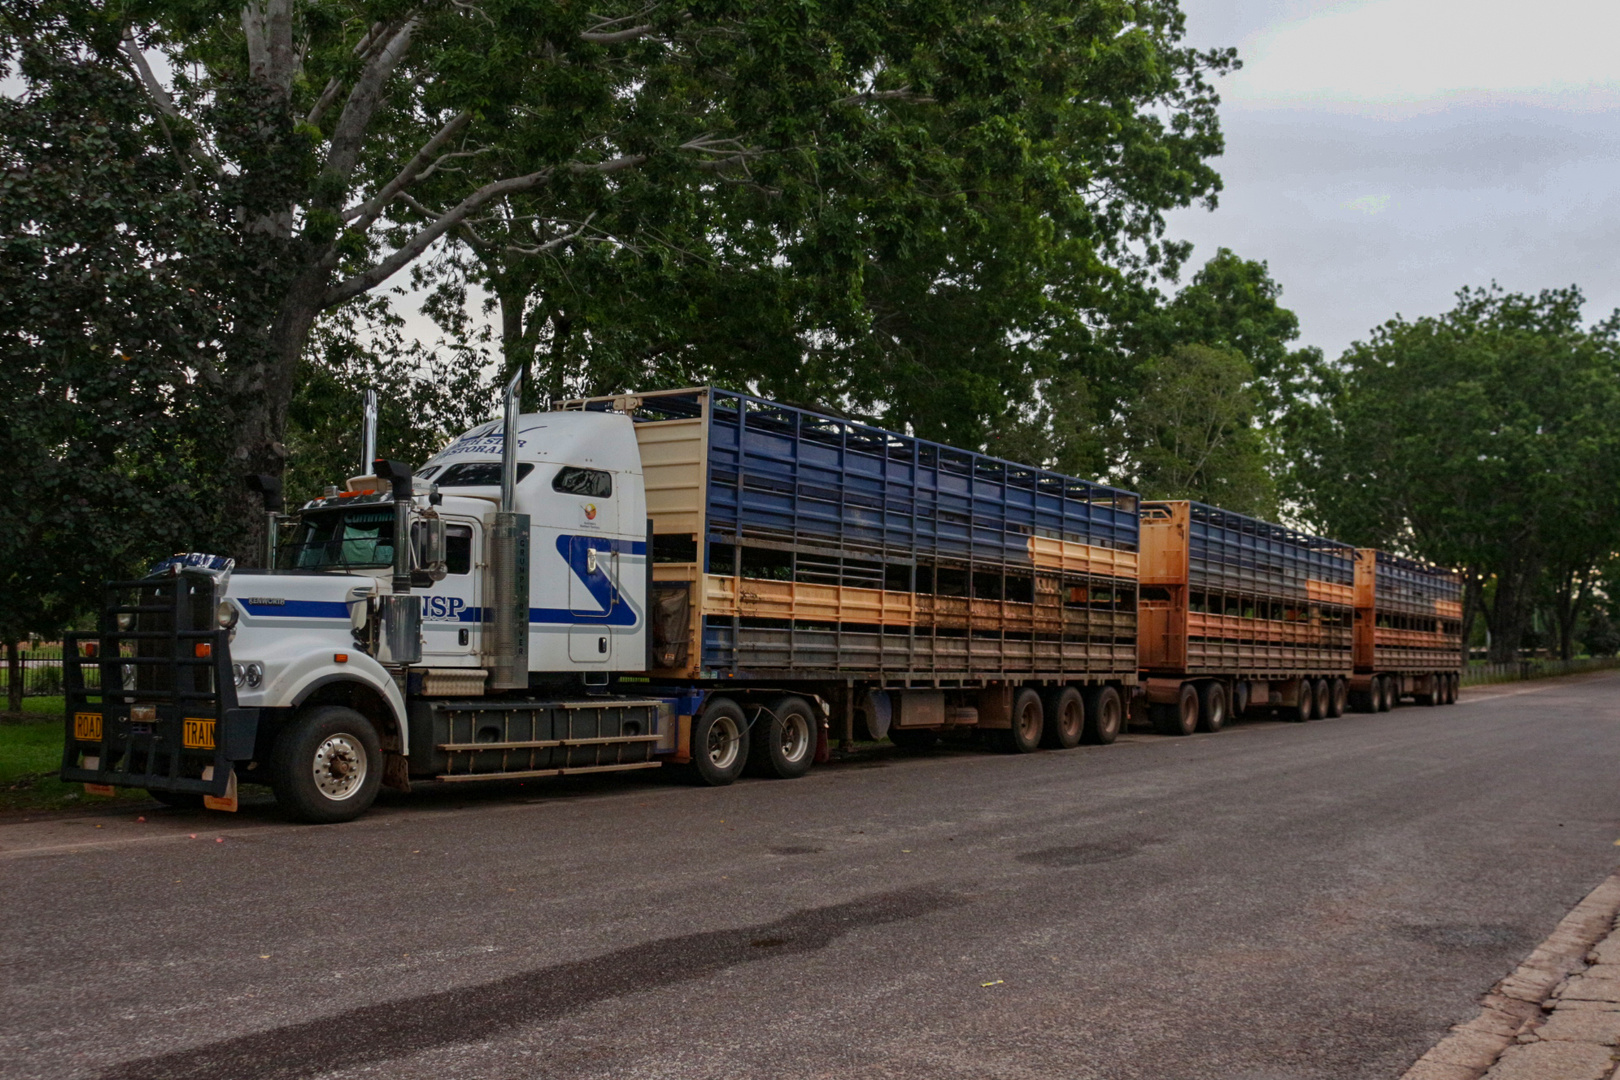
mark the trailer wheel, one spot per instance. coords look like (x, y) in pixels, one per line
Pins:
(1392, 693)
(1211, 706)
(178, 800)
(1304, 707)
(1028, 721)
(1105, 714)
(1338, 696)
(912, 739)
(1431, 697)
(1065, 718)
(719, 743)
(1240, 699)
(782, 739)
(1180, 718)
(1324, 699)
(1453, 681)
(327, 765)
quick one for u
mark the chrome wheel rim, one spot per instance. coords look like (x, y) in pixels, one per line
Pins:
(340, 766)
(795, 737)
(724, 742)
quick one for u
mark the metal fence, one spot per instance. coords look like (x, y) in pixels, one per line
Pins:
(1484, 674)
(41, 676)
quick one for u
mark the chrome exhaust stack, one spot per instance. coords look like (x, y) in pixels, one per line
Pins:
(399, 637)
(506, 604)
(368, 431)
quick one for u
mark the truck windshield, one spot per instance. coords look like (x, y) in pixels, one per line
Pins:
(341, 539)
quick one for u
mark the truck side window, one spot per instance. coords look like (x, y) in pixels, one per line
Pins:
(593, 482)
(458, 549)
(479, 474)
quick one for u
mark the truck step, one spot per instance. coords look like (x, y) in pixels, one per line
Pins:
(530, 773)
(540, 744)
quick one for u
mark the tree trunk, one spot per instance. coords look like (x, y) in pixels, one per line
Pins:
(1511, 611)
(1473, 596)
(262, 412)
(14, 677)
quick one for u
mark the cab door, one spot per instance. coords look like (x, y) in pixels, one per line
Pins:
(450, 608)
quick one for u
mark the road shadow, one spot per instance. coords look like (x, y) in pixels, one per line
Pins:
(394, 1029)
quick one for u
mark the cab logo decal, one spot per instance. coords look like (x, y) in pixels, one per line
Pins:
(443, 607)
(590, 511)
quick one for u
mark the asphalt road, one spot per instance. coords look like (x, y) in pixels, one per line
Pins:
(1275, 902)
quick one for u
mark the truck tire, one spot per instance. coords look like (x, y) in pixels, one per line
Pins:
(782, 739)
(913, 739)
(1453, 683)
(327, 765)
(1065, 718)
(1338, 697)
(178, 800)
(1180, 718)
(1304, 707)
(1384, 693)
(1105, 714)
(1324, 699)
(1430, 697)
(719, 743)
(1211, 706)
(1028, 722)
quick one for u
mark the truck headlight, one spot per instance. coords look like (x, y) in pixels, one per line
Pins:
(250, 674)
(226, 614)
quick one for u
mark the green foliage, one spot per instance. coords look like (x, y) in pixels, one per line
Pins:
(110, 340)
(1482, 439)
(1192, 435)
(424, 398)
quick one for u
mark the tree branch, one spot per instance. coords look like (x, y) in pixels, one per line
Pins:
(616, 36)
(165, 104)
(271, 56)
(417, 244)
(350, 132)
(421, 165)
(905, 93)
(362, 49)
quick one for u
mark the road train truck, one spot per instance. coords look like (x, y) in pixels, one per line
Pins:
(1239, 614)
(1408, 632)
(697, 578)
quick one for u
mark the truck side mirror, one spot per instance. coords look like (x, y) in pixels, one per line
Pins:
(428, 547)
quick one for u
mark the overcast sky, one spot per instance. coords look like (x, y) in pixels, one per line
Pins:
(1380, 154)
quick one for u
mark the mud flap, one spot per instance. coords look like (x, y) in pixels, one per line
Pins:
(227, 801)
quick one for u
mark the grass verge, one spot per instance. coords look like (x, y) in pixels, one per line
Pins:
(31, 754)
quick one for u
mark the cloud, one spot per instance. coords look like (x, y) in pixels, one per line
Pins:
(1554, 53)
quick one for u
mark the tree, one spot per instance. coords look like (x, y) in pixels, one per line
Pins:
(1480, 439)
(1232, 303)
(959, 208)
(334, 143)
(110, 339)
(1191, 434)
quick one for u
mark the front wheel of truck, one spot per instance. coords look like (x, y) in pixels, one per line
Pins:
(327, 765)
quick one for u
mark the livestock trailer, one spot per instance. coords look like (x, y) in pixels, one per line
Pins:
(1238, 613)
(1408, 640)
(914, 587)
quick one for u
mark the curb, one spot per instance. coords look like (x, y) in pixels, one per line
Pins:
(1521, 1002)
